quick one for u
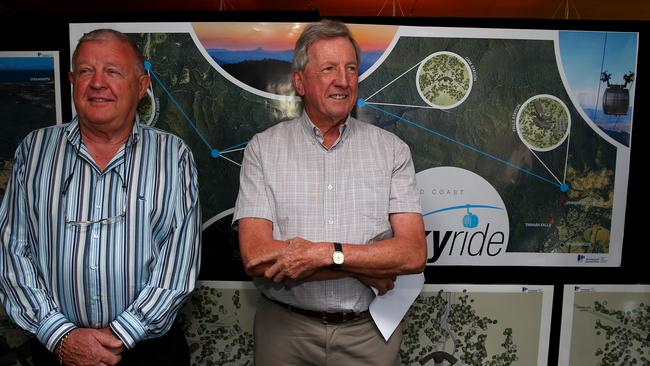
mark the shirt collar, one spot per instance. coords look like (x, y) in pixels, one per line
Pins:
(74, 139)
(74, 134)
(314, 132)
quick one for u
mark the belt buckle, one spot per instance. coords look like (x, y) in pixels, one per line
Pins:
(339, 318)
(323, 318)
(333, 318)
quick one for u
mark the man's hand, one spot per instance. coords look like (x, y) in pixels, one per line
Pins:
(298, 260)
(383, 285)
(87, 346)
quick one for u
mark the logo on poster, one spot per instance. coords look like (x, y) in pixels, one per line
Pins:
(591, 259)
(461, 227)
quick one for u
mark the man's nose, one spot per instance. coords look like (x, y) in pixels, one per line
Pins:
(98, 80)
(342, 77)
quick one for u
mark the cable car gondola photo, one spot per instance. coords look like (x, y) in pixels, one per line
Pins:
(616, 99)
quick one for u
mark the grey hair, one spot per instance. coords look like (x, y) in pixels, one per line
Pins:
(315, 31)
(106, 34)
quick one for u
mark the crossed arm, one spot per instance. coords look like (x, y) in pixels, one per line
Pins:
(297, 259)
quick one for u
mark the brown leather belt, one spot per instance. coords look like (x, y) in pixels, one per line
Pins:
(323, 316)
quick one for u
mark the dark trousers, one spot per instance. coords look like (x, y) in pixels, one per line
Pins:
(169, 350)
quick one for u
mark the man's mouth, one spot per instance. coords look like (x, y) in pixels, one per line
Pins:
(339, 96)
(100, 100)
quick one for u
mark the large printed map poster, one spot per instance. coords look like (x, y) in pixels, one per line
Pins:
(520, 138)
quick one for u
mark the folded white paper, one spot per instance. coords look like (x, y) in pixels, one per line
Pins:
(388, 310)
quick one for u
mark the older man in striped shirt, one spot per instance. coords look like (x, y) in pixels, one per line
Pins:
(100, 223)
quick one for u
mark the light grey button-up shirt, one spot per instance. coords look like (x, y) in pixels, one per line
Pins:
(343, 194)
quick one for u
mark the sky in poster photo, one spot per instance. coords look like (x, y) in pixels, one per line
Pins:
(585, 57)
(232, 43)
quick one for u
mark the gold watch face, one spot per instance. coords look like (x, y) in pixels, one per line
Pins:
(338, 257)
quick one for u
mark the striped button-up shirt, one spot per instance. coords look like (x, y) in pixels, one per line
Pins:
(82, 247)
(342, 194)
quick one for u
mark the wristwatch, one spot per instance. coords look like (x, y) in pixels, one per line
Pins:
(337, 257)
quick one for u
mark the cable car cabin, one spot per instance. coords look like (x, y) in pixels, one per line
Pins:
(616, 100)
(470, 220)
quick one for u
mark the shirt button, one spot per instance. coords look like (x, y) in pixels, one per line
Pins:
(329, 187)
(93, 267)
(330, 221)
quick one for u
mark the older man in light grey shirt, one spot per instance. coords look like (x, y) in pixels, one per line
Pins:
(327, 207)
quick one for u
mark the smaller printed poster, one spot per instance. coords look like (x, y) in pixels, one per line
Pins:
(605, 325)
(478, 325)
(30, 98)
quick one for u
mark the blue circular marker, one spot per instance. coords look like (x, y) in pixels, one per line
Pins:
(215, 153)
(564, 187)
(147, 65)
(361, 102)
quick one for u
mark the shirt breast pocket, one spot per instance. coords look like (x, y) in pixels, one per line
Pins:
(369, 193)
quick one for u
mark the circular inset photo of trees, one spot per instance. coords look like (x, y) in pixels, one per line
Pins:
(444, 80)
(543, 122)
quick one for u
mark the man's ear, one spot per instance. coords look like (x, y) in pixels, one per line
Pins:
(144, 81)
(296, 77)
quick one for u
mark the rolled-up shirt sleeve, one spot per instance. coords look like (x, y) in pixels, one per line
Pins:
(404, 196)
(252, 200)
